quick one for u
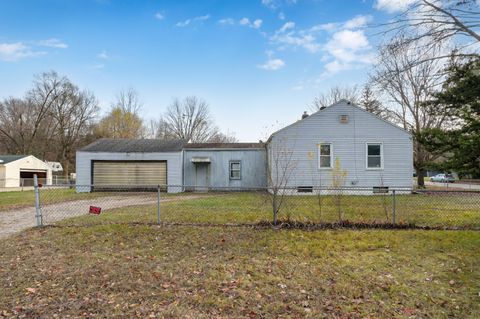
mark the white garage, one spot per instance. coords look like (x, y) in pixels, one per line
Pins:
(19, 170)
(116, 162)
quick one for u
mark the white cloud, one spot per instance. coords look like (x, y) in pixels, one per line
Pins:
(244, 21)
(227, 21)
(286, 26)
(187, 22)
(272, 65)
(272, 4)
(103, 55)
(392, 6)
(257, 24)
(359, 21)
(53, 43)
(281, 15)
(159, 16)
(16, 51)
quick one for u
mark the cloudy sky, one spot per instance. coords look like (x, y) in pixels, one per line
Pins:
(258, 63)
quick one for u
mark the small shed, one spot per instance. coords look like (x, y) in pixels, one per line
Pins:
(18, 171)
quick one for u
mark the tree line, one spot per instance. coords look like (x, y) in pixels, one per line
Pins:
(426, 80)
(56, 117)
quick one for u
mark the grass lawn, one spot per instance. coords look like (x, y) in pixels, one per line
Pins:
(422, 210)
(12, 200)
(217, 272)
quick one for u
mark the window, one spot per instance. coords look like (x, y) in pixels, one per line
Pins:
(235, 170)
(325, 155)
(374, 155)
(305, 189)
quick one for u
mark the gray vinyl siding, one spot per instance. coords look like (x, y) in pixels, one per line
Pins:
(298, 149)
(253, 171)
(84, 165)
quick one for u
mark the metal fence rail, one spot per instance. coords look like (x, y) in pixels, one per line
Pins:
(184, 204)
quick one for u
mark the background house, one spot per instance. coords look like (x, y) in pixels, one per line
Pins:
(18, 170)
(367, 150)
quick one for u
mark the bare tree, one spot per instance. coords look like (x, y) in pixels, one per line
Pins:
(430, 22)
(123, 120)
(280, 167)
(369, 101)
(128, 101)
(334, 95)
(190, 119)
(220, 137)
(73, 114)
(406, 85)
(23, 121)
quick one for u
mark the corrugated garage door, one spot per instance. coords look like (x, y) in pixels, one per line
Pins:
(129, 173)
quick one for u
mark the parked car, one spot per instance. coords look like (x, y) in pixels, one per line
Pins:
(443, 178)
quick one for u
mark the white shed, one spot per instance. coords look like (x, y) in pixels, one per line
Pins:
(18, 170)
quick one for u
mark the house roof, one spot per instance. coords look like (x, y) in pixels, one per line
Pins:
(336, 103)
(223, 145)
(4, 159)
(112, 145)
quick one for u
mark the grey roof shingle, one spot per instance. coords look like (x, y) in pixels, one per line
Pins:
(4, 159)
(112, 145)
(223, 145)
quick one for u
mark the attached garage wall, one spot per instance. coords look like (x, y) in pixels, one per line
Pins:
(129, 173)
(84, 167)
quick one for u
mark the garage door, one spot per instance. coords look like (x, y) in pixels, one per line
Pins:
(129, 173)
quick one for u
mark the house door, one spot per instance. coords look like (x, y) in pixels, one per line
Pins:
(201, 177)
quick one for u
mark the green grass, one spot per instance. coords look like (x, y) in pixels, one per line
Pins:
(211, 272)
(422, 210)
(18, 199)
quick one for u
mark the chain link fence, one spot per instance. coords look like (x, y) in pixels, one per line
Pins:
(296, 207)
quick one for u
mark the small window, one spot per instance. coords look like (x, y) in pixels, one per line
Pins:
(374, 155)
(235, 170)
(325, 155)
(344, 119)
(380, 189)
(305, 189)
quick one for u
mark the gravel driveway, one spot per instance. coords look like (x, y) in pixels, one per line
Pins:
(16, 220)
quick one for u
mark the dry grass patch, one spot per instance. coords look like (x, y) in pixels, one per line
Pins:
(208, 272)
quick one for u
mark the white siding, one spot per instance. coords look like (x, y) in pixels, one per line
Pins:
(299, 142)
(29, 163)
(84, 163)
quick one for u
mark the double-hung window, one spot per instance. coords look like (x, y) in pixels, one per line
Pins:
(235, 170)
(374, 155)
(325, 155)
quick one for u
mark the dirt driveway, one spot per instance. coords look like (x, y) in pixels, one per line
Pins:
(16, 220)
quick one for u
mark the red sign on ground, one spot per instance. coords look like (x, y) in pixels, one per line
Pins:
(95, 210)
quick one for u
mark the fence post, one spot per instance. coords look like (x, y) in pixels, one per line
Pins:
(393, 206)
(158, 204)
(38, 210)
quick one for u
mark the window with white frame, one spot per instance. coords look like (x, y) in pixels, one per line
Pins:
(374, 155)
(325, 155)
(235, 170)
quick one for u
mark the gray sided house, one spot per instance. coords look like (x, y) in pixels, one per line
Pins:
(340, 146)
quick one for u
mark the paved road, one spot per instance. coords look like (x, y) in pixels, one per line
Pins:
(454, 185)
(16, 220)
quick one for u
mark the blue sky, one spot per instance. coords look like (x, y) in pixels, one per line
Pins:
(258, 63)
